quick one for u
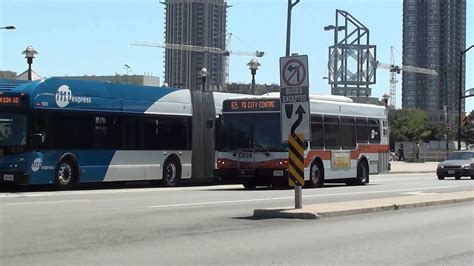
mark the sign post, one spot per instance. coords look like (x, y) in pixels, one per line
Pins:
(295, 117)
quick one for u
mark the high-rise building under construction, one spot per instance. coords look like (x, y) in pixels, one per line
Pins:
(434, 34)
(199, 23)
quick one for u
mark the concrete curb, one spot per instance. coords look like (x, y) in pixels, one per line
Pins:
(364, 206)
(393, 207)
(412, 172)
(284, 213)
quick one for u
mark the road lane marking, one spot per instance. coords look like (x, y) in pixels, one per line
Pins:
(154, 189)
(292, 197)
(418, 193)
(108, 191)
(44, 202)
(400, 179)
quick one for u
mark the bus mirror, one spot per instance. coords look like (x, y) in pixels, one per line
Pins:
(210, 123)
(37, 140)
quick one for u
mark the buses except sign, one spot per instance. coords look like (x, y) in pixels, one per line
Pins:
(294, 97)
(294, 94)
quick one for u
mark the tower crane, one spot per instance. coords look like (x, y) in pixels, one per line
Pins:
(195, 48)
(395, 69)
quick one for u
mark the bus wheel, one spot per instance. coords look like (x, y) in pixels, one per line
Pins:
(362, 174)
(316, 177)
(65, 175)
(171, 173)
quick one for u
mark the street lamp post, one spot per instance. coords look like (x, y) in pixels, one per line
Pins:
(253, 66)
(29, 55)
(127, 68)
(8, 28)
(460, 94)
(203, 74)
(291, 4)
(385, 98)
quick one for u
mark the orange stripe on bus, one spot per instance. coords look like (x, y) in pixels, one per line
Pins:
(322, 154)
(361, 148)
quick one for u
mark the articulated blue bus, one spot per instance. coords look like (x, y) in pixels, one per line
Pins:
(64, 132)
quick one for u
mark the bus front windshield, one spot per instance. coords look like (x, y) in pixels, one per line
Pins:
(12, 129)
(252, 131)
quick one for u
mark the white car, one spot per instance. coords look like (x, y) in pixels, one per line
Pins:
(457, 164)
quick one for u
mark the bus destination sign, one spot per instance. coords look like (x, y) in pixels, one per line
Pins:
(246, 105)
(13, 100)
(10, 100)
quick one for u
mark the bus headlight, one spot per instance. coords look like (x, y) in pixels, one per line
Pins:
(466, 166)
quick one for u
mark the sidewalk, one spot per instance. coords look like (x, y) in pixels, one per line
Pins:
(404, 167)
(365, 206)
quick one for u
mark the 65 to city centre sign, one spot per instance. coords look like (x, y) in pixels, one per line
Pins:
(294, 97)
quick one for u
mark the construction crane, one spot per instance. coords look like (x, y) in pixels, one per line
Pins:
(394, 70)
(214, 50)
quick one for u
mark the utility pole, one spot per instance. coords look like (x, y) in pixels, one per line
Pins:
(288, 25)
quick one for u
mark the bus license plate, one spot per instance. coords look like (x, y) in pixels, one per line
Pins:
(278, 173)
(450, 172)
(7, 177)
(245, 156)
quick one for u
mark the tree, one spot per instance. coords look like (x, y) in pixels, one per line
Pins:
(467, 132)
(410, 125)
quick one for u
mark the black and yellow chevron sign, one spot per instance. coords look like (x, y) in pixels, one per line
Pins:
(296, 160)
(464, 120)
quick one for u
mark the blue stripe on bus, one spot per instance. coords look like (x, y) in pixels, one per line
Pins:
(91, 95)
(93, 165)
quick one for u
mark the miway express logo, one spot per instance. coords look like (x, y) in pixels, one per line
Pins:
(64, 97)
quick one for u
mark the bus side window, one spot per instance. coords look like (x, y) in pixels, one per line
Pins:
(332, 132)
(130, 130)
(374, 131)
(348, 133)
(385, 127)
(42, 125)
(317, 139)
(151, 133)
(362, 130)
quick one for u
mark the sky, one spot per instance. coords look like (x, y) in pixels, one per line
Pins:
(93, 37)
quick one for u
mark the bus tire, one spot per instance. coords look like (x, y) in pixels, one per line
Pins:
(65, 175)
(362, 173)
(171, 173)
(316, 175)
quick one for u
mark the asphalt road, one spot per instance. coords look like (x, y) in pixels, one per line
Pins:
(212, 225)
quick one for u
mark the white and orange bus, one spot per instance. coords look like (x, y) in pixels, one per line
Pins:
(349, 141)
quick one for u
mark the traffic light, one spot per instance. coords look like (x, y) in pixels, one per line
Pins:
(464, 120)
